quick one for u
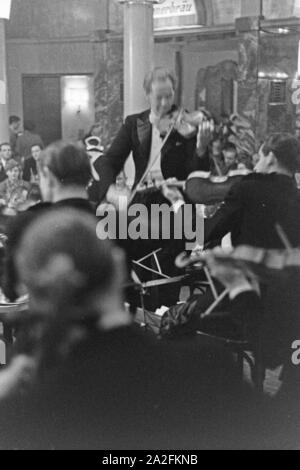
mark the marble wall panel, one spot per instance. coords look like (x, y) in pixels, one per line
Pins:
(211, 84)
(46, 19)
(108, 88)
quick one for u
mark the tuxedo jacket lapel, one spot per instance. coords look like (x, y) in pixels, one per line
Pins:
(144, 133)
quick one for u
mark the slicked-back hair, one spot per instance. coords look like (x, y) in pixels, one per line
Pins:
(229, 147)
(286, 149)
(68, 162)
(159, 74)
(13, 119)
(4, 143)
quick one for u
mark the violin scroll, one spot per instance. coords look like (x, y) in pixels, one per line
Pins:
(185, 123)
(252, 261)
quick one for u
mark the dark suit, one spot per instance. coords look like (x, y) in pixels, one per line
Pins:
(29, 168)
(252, 209)
(3, 174)
(250, 212)
(178, 157)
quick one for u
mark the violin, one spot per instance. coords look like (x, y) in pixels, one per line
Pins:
(170, 182)
(203, 188)
(253, 262)
(185, 123)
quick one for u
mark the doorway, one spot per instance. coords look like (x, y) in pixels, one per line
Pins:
(42, 105)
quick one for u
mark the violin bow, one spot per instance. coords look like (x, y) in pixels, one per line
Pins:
(283, 237)
(217, 166)
(157, 156)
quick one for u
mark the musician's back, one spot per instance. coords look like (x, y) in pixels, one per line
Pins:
(253, 208)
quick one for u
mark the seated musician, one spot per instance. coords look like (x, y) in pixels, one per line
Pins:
(257, 211)
(261, 201)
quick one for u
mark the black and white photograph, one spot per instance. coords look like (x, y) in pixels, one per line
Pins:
(149, 228)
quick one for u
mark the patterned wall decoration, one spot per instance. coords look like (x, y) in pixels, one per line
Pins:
(108, 82)
(279, 9)
(278, 56)
(225, 11)
(56, 18)
(213, 87)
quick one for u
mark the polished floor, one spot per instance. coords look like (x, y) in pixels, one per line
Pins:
(271, 385)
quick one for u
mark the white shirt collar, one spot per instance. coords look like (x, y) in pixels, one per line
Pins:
(154, 119)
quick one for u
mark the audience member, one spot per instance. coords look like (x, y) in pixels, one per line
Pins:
(14, 130)
(34, 197)
(30, 172)
(65, 172)
(12, 183)
(26, 140)
(255, 212)
(5, 156)
(230, 157)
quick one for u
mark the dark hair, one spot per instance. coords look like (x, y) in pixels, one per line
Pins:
(19, 190)
(286, 149)
(4, 143)
(29, 125)
(36, 145)
(68, 271)
(68, 162)
(13, 119)
(159, 74)
(62, 261)
(229, 147)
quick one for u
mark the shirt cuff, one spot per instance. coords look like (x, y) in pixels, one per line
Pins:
(244, 286)
(176, 205)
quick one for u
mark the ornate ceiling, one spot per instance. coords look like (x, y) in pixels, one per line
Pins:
(58, 18)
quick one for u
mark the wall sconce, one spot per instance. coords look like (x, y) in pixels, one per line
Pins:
(78, 97)
(273, 75)
(5, 6)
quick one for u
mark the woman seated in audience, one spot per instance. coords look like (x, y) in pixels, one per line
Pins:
(13, 186)
(95, 380)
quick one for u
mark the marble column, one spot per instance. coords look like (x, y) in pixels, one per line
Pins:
(251, 8)
(4, 134)
(138, 58)
(248, 31)
(138, 51)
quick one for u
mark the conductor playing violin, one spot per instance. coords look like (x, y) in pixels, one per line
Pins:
(143, 135)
